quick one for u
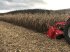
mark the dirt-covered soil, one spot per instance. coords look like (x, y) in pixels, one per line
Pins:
(19, 39)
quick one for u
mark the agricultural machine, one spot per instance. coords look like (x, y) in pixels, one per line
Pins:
(60, 30)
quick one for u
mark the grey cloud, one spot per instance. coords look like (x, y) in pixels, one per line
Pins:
(9, 0)
(18, 4)
(26, 1)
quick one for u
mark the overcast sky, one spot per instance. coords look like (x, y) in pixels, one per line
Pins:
(8, 5)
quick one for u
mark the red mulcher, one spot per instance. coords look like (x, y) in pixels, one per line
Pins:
(60, 30)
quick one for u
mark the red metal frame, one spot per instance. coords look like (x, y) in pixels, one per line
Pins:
(55, 30)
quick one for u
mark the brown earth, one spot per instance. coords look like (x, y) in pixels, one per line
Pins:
(19, 39)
